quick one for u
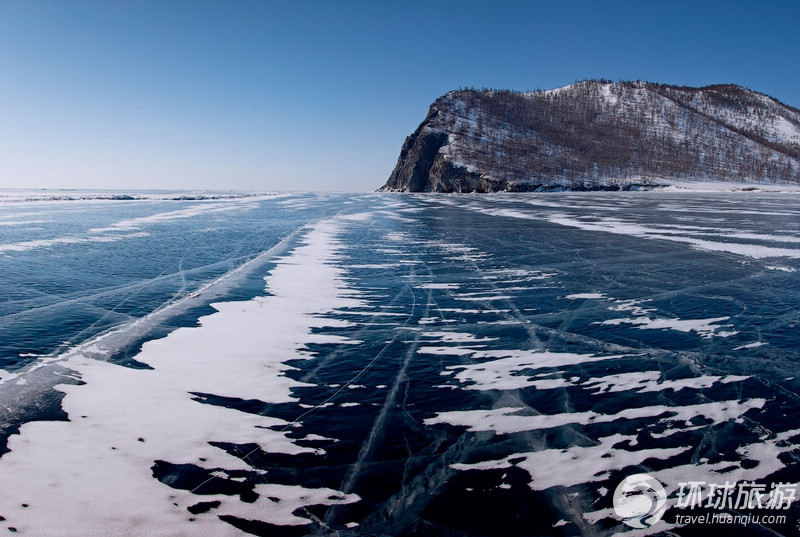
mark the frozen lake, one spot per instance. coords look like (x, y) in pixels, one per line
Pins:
(386, 364)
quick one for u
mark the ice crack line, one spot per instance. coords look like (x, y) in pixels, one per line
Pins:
(363, 370)
(377, 426)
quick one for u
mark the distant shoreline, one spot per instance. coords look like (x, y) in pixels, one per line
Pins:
(14, 195)
(727, 187)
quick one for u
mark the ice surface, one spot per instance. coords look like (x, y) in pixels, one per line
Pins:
(402, 365)
(621, 227)
(188, 212)
(132, 228)
(46, 243)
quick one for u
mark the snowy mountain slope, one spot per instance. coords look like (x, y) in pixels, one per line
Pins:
(597, 135)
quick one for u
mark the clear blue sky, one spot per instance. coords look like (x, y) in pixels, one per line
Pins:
(246, 94)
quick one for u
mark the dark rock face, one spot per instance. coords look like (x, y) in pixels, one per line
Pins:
(416, 159)
(597, 135)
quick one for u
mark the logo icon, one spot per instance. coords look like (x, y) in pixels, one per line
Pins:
(640, 501)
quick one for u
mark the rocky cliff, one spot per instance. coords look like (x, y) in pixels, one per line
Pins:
(598, 135)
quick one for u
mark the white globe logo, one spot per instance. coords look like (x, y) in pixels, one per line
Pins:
(640, 501)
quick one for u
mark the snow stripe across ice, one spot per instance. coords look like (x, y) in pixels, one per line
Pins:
(93, 473)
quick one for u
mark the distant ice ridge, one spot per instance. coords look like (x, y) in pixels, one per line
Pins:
(44, 195)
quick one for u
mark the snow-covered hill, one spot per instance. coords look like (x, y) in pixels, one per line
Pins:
(598, 135)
